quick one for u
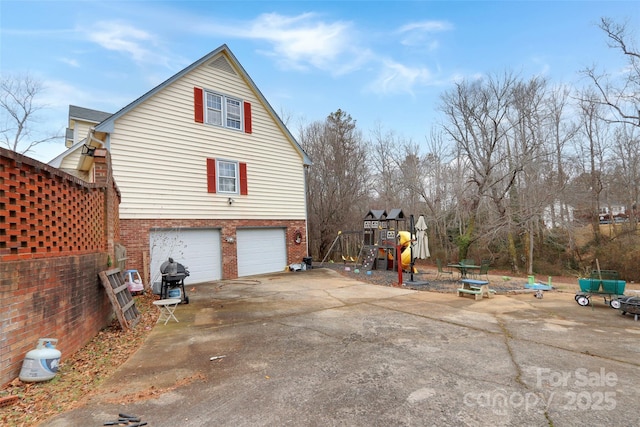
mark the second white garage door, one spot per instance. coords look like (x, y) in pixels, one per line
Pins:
(261, 250)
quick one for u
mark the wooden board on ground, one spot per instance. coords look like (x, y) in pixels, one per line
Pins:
(120, 297)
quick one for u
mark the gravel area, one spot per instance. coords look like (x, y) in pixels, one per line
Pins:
(501, 284)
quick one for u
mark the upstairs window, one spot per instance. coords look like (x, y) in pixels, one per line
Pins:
(214, 109)
(221, 110)
(234, 113)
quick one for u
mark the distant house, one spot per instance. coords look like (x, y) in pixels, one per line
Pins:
(615, 212)
(208, 173)
(558, 214)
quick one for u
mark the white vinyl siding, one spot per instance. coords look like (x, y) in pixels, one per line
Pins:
(159, 158)
(70, 162)
(81, 130)
(261, 250)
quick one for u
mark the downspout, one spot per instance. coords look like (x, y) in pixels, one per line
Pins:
(306, 207)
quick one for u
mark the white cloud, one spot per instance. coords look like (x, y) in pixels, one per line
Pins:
(301, 42)
(299, 39)
(457, 77)
(70, 61)
(307, 41)
(59, 94)
(541, 63)
(55, 99)
(398, 78)
(426, 26)
(421, 33)
(122, 37)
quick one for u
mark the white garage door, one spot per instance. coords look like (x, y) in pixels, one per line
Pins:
(261, 250)
(196, 248)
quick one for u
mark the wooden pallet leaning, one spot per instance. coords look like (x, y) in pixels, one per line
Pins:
(121, 299)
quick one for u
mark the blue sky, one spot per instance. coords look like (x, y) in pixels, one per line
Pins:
(385, 63)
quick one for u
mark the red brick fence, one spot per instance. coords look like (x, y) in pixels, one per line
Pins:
(56, 233)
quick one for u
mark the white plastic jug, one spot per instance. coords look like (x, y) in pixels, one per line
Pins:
(42, 363)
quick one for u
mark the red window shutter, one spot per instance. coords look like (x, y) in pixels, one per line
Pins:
(244, 189)
(211, 175)
(198, 105)
(247, 117)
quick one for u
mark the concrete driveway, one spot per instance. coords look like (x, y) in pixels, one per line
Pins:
(317, 349)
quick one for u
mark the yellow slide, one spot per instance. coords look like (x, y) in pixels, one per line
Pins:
(405, 244)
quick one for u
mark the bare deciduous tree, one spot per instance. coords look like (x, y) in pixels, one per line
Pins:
(477, 114)
(623, 96)
(338, 182)
(529, 158)
(594, 130)
(562, 131)
(626, 170)
(385, 176)
(18, 112)
(515, 170)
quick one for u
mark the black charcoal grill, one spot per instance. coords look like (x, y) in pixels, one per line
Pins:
(630, 305)
(173, 275)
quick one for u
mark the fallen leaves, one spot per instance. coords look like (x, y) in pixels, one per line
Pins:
(78, 374)
(152, 391)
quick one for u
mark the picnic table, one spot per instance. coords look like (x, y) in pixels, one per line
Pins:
(464, 268)
(478, 288)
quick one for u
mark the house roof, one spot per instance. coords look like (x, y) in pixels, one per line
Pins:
(376, 214)
(107, 125)
(395, 214)
(87, 114)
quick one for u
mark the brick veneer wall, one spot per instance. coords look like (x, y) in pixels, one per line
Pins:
(56, 233)
(134, 234)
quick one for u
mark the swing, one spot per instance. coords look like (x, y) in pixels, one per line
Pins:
(348, 245)
(344, 253)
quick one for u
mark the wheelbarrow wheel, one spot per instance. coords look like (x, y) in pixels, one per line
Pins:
(186, 300)
(582, 300)
(614, 303)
